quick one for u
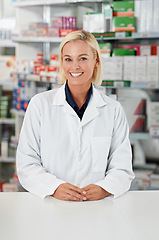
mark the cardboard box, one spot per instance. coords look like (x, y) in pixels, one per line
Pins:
(155, 50)
(124, 24)
(153, 69)
(112, 68)
(123, 52)
(123, 8)
(105, 49)
(141, 50)
(140, 69)
(94, 22)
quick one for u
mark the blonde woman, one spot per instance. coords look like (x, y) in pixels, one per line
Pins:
(74, 143)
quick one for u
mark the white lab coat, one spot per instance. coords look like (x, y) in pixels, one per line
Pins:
(55, 146)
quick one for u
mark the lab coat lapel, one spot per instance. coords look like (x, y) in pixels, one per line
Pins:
(60, 99)
(92, 110)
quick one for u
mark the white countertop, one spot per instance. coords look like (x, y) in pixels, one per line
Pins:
(133, 216)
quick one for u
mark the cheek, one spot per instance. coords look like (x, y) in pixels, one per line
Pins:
(65, 68)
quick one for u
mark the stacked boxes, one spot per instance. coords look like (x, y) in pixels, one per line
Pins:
(153, 69)
(129, 68)
(112, 68)
(123, 12)
(59, 27)
(140, 69)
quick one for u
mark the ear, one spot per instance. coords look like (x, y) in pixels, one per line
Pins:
(97, 63)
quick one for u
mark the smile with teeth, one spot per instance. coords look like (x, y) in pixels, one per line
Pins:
(76, 74)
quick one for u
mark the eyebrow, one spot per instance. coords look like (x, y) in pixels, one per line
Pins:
(83, 54)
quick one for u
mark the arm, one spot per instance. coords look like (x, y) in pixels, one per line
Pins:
(30, 170)
(119, 172)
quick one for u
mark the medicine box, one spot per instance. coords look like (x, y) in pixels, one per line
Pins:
(123, 52)
(123, 8)
(105, 49)
(94, 22)
(124, 24)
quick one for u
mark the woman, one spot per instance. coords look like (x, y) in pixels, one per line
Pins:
(74, 142)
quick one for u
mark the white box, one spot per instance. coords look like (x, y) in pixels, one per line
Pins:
(94, 22)
(140, 69)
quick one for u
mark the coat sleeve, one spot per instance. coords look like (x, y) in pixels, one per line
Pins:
(119, 173)
(31, 173)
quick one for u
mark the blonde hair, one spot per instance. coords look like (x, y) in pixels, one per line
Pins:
(90, 39)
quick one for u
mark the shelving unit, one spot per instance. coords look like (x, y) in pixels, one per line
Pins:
(28, 47)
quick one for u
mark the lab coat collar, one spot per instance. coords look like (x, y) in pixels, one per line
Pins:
(60, 97)
(91, 111)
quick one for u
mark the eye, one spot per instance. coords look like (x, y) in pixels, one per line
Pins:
(67, 59)
(83, 59)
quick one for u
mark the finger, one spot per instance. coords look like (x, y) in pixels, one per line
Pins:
(74, 194)
(76, 189)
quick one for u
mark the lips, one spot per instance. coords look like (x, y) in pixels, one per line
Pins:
(76, 74)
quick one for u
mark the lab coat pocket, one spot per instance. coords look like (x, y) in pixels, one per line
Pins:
(100, 149)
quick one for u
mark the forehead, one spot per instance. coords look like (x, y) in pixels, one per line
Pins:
(77, 46)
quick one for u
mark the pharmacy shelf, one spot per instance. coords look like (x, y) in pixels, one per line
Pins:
(37, 39)
(52, 2)
(20, 113)
(7, 159)
(7, 43)
(150, 35)
(7, 121)
(59, 39)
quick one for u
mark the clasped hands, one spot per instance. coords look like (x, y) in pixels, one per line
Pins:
(69, 192)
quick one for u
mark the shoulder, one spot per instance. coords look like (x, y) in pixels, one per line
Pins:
(46, 97)
(109, 101)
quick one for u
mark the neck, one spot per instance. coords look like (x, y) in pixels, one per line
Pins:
(79, 93)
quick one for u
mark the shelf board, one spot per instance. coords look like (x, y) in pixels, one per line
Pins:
(139, 136)
(20, 113)
(10, 121)
(50, 2)
(37, 39)
(7, 159)
(59, 39)
(7, 43)
(146, 35)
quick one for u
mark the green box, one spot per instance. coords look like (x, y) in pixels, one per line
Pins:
(105, 47)
(124, 23)
(123, 6)
(123, 52)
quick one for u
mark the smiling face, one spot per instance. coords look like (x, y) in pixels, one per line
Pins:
(78, 63)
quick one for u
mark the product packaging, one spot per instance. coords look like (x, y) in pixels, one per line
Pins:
(124, 24)
(123, 8)
(94, 22)
(112, 68)
(140, 69)
(123, 52)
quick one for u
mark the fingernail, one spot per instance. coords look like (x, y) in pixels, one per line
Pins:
(84, 192)
(84, 198)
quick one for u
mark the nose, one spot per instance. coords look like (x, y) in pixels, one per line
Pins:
(75, 65)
